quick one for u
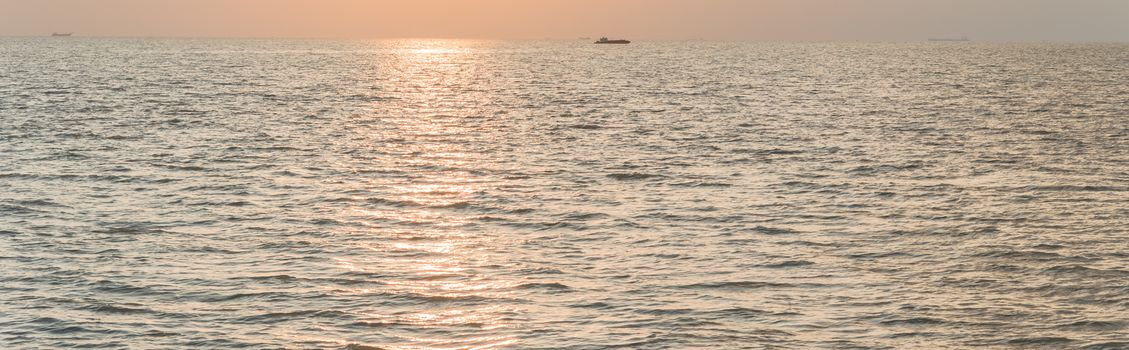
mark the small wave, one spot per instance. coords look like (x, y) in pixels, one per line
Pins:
(123, 310)
(415, 204)
(72, 156)
(276, 317)
(76, 135)
(73, 177)
(633, 176)
(740, 312)
(551, 286)
(488, 218)
(17, 209)
(790, 263)
(337, 200)
(355, 346)
(586, 216)
(552, 225)
(663, 312)
(1034, 341)
(240, 296)
(218, 344)
(774, 151)
(541, 271)
(586, 126)
(1092, 326)
(702, 184)
(452, 205)
(432, 298)
(327, 222)
(649, 343)
(774, 230)
(279, 148)
(210, 250)
(595, 305)
(1086, 271)
(288, 279)
(217, 188)
(913, 321)
(738, 285)
(123, 137)
(222, 204)
(67, 330)
(1074, 188)
(133, 229)
(365, 274)
(1114, 345)
(280, 278)
(885, 168)
(123, 288)
(876, 255)
(182, 167)
(804, 243)
(45, 320)
(1032, 255)
(909, 335)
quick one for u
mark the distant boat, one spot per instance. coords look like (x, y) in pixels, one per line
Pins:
(963, 38)
(605, 40)
(60, 34)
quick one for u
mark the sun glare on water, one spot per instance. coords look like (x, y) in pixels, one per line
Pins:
(417, 222)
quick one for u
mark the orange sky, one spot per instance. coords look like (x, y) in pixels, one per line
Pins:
(1003, 20)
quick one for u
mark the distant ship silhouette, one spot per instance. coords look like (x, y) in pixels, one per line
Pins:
(605, 40)
(60, 34)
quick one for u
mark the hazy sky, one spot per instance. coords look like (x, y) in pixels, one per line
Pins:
(991, 20)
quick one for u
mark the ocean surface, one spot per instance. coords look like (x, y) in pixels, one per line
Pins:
(431, 194)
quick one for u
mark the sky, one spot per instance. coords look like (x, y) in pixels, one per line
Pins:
(830, 20)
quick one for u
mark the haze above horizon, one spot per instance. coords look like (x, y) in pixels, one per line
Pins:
(1000, 20)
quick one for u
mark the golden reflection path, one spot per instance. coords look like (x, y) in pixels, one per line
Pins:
(416, 225)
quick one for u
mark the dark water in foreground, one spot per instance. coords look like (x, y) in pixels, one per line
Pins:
(535, 195)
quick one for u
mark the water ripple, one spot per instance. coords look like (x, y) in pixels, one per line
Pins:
(432, 194)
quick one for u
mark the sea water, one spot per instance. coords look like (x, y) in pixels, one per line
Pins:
(445, 194)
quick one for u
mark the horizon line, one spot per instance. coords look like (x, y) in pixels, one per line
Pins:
(76, 35)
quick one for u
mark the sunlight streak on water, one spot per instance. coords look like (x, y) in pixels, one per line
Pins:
(441, 261)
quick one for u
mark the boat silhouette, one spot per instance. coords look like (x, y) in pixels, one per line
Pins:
(605, 40)
(60, 34)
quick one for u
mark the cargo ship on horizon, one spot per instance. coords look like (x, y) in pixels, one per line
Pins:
(605, 40)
